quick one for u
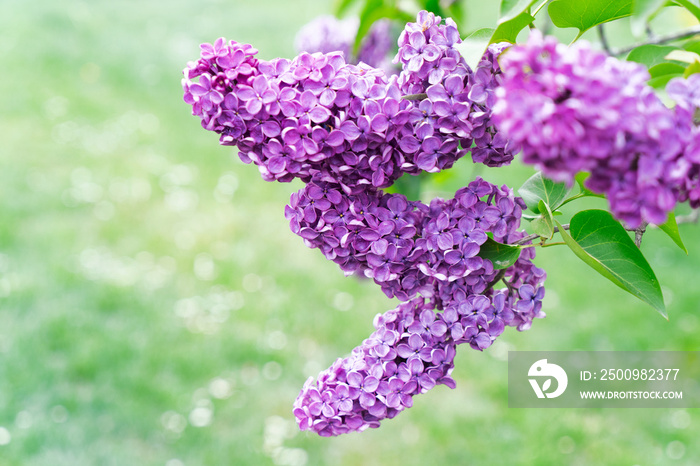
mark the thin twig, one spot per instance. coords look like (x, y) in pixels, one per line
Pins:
(533, 237)
(604, 39)
(499, 276)
(639, 232)
(690, 32)
(650, 33)
(414, 96)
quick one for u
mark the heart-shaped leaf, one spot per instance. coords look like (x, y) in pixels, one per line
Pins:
(501, 255)
(538, 188)
(585, 14)
(508, 31)
(512, 8)
(650, 55)
(474, 45)
(602, 243)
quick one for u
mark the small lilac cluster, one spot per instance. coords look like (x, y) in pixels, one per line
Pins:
(409, 353)
(574, 109)
(406, 247)
(457, 107)
(328, 34)
(410, 248)
(312, 116)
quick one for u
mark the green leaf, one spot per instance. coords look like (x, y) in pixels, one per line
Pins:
(693, 68)
(585, 14)
(508, 30)
(692, 46)
(456, 12)
(501, 255)
(663, 69)
(642, 12)
(474, 45)
(670, 227)
(544, 224)
(434, 6)
(512, 8)
(650, 55)
(538, 188)
(342, 7)
(690, 6)
(409, 186)
(602, 243)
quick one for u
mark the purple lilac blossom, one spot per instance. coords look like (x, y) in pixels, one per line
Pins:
(457, 109)
(427, 257)
(346, 132)
(312, 115)
(686, 94)
(574, 109)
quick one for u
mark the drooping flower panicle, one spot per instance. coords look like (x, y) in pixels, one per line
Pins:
(574, 109)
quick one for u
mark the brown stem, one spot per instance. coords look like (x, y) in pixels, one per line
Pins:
(499, 276)
(690, 32)
(414, 96)
(604, 40)
(638, 233)
(533, 237)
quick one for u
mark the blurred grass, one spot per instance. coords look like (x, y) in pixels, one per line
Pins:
(156, 310)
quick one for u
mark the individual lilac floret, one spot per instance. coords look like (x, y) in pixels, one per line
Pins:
(574, 109)
(409, 353)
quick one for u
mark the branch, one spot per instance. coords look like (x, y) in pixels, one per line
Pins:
(499, 276)
(604, 39)
(660, 40)
(533, 237)
(414, 96)
(638, 233)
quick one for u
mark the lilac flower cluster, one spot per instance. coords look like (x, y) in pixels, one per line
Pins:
(370, 233)
(686, 94)
(313, 115)
(347, 132)
(411, 351)
(406, 247)
(409, 248)
(328, 34)
(574, 109)
(457, 108)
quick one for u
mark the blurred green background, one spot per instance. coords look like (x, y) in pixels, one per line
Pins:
(155, 309)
